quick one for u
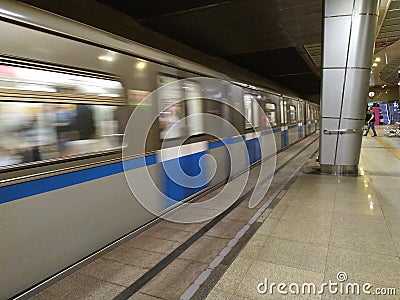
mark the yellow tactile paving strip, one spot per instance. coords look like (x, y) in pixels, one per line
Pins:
(388, 147)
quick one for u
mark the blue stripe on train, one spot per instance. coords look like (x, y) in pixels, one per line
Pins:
(31, 188)
(177, 188)
(38, 186)
(253, 150)
(216, 144)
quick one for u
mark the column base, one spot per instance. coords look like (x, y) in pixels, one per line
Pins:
(339, 169)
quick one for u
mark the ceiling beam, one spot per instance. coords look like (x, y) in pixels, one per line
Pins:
(308, 60)
(383, 9)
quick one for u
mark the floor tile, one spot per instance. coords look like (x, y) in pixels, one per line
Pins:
(391, 211)
(267, 226)
(180, 274)
(314, 203)
(394, 227)
(113, 272)
(80, 287)
(261, 271)
(152, 244)
(167, 234)
(218, 295)
(363, 267)
(369, 239)
(225, 229)
(304, 256)
(234, 275)
(241, 214)
(343, 197)
(189, 227)
(135, 257)
(361, 208)
(205, 249)
(318, 216)
(254, 247)
(278, 212)
(302, 231)
(141, 296)
(355, 221)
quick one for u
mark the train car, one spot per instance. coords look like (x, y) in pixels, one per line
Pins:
(67, 92)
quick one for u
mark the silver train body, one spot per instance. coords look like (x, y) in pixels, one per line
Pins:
(63, 193)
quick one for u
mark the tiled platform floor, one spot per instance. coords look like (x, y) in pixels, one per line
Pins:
(325, 225)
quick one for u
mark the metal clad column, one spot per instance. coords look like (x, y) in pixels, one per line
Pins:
(349, 36)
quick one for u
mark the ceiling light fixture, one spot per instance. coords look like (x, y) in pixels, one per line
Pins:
(141, 65)
(375, 64)
(106, 58)
(378, 59)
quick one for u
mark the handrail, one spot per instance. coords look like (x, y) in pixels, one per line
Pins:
(342, 131)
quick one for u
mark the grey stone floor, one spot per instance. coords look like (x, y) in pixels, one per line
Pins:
(325, 225)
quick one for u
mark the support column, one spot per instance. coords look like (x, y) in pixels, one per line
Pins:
(348, 43)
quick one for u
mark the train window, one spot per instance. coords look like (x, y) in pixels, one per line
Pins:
(50, 114)
(28, 80)
(256, 114)
(248, 110)
(283, 113)
(194, 105)
(39, 131)
(172, 108)
(300, 111)
(292, 114)
(135, 98)
(251, 111)
(270, 112)
(173, 99)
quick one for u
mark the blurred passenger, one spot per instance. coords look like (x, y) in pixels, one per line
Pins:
(170, 128)
(30, 131)
(64, 117)
(84, 122)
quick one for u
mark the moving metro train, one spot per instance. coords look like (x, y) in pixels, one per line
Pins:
(66, 93)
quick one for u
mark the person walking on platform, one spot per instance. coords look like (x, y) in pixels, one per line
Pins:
(371, 121)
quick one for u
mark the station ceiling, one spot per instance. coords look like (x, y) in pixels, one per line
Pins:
(276, 39)
(269, 38)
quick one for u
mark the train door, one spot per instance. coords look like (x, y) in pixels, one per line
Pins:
(307, 123)
(300, 112)
(313, 119)
(271, 106)
(252, 124)
(284, 123)
(293, 135)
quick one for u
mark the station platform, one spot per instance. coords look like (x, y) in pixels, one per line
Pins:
(309, 228)
(328, 228)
